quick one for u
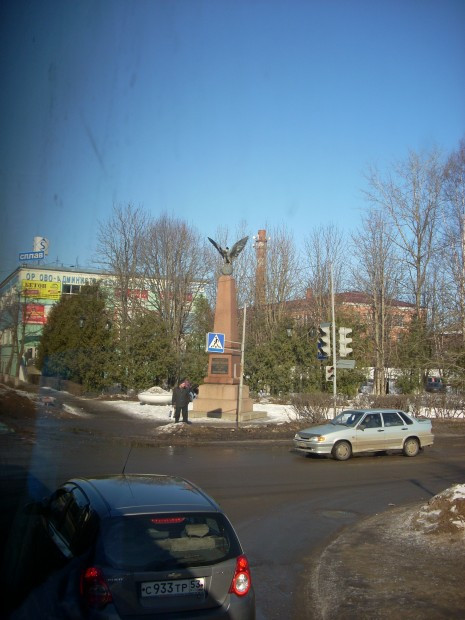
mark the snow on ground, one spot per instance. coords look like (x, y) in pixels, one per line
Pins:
(276, 414)
(74, 411)
(5, 389)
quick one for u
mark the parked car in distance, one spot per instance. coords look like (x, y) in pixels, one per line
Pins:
(141, 546)
(366, 430)
(435, 384)
(366, 387)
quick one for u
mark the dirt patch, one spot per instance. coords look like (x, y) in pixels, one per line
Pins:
(198, 432)
(383, 568)
(443, 515)
(17, 407)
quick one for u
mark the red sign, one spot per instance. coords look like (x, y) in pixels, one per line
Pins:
(34, 314)
(133, 293)
(170, 295)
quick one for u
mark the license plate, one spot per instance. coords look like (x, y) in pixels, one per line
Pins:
(176, 587)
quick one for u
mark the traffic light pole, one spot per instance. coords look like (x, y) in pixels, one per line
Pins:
(333, 323)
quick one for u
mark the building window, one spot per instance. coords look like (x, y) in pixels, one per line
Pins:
(71, 289)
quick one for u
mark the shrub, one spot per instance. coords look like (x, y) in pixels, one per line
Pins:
(445, 405)
(312, 408)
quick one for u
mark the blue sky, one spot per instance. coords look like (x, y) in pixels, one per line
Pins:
(216, 111)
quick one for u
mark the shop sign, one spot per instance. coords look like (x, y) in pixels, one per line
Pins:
(34, 314)
(25, 256)
(41, 290)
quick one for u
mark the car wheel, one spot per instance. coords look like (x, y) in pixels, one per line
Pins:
(411, 447)
(342, 451)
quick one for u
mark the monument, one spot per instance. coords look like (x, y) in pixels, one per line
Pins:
(220, 395)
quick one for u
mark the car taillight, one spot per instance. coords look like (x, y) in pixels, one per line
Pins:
(242, 580)
(94, 589)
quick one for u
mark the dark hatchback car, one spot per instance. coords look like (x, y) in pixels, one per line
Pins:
(435, 384)
(140, 546)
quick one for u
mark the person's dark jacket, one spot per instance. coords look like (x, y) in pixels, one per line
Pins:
(181, 397)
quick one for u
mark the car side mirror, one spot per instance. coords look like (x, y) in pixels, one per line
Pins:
(361, 426)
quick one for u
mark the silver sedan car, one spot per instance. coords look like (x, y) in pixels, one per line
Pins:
(366, 430)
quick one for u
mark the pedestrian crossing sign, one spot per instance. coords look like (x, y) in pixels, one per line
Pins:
(215, 342)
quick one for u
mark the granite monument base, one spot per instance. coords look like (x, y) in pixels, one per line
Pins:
(217, 400)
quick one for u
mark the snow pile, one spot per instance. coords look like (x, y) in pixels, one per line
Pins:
(156, 390)
(169, 429)
(74, 411)
(443, 514)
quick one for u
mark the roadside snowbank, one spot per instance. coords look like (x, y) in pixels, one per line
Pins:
(276, 414)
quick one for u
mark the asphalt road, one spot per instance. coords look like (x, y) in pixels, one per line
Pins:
(284, 507)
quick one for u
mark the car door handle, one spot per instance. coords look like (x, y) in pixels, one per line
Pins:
(380, 430)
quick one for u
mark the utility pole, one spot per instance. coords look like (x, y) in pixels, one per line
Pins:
(241, 376)
(333, 323)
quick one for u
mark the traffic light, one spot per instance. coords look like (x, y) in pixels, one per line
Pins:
(324, 341)
(344, 350)
(329, 372)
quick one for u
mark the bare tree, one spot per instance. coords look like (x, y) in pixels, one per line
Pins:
(411, 196)
(454, 237)
(119, 252)
(176, 266)
(11, 321)
(283, 275)
(376, 275)
(324, 246)
(439, 299)
(16, 318)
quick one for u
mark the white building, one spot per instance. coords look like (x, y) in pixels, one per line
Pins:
(26, 297)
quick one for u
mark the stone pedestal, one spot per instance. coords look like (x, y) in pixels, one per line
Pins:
(220, 401)
(218, 395)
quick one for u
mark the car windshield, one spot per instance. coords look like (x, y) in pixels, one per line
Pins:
(158, 542)
(347, 418)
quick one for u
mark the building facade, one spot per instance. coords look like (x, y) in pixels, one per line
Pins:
(30, 292)
(26, 298)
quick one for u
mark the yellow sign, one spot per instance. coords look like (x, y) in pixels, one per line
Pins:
(41, 290)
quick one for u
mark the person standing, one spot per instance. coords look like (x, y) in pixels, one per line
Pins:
(180, 401)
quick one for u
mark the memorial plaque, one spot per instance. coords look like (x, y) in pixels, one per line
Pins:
(219, 366)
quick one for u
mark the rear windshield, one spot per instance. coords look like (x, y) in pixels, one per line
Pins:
(158, 542)
(405, 417)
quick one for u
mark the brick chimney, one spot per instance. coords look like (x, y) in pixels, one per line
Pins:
(260, 273)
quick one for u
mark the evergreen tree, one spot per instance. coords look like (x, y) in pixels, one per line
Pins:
(76, 343)
(194, 359)
(151, 358)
